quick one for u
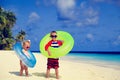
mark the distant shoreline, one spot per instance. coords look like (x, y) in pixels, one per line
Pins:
(98, 52)
(86, 52)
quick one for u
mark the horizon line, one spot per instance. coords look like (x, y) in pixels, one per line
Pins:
(101, 52)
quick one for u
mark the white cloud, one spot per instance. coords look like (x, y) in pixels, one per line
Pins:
(66, 8)
(117, 41)
(79, 24)
(77, 15)
(90, 12)
(86, 15)
(93, 20)
(33, 17)
(90, 16)
(90, 37)
(65, 4)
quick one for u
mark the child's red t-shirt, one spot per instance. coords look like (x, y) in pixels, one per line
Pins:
(54, 44)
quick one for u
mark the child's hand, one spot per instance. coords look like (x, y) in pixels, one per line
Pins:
(62, 41)
(49, 53)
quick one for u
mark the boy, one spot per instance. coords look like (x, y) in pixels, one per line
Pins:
(53, 62)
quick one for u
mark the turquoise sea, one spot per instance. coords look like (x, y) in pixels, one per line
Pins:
(98, 59)
(95, 56)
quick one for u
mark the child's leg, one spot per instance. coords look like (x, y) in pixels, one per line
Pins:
(56, 73)
(26, 70)
(21, 68)
(47, 73)
(21, 71)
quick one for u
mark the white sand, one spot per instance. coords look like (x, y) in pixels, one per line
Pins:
(68, 70)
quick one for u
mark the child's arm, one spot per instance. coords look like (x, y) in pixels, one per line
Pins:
(49, 52)
(62, 41)
(26, 53)
(47, 46)
(23, 51)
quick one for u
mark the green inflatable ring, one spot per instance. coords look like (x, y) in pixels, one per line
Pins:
(60, 51)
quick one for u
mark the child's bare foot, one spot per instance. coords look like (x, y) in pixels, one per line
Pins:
(47, 78)
(20, 74)
(27, 75)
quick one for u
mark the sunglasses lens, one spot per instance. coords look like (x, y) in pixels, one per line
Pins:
(53, 36)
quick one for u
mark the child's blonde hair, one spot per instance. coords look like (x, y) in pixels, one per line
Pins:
(23, 43)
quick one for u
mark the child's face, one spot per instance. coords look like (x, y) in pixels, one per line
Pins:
(53, 36)
(26, 45)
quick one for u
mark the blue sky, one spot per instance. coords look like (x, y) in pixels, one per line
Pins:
(94, 24)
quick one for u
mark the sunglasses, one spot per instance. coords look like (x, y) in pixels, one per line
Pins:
(53, 36)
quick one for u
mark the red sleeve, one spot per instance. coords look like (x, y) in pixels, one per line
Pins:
(47, 45)
(60, 43)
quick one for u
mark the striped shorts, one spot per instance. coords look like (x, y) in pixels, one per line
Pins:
(52, 63)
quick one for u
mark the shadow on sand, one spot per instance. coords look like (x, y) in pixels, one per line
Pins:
(43, 75)
(17, 73)
(35, 74)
